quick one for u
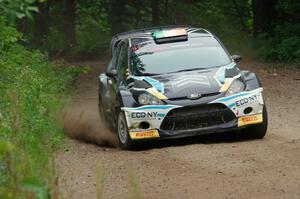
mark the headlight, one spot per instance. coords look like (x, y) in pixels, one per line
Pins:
(146, 98)
(236, 87)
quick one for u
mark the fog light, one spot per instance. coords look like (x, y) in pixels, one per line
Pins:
(248, 110)
(144, 125)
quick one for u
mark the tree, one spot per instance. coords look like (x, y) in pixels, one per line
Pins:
(69, 22)
(41, 22)
(116, 13)
(155, 12)
(264, 15)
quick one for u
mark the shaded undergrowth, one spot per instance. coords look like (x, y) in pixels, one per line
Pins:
(32, 91)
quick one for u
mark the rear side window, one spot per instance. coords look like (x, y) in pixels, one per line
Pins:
(122, 61)
(113, 62)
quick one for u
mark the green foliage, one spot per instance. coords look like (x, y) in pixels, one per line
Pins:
(282, 46)
(31, 91)
(17, 9)
(92, 28)
(95, 21)
(55, 42)
(8, 35)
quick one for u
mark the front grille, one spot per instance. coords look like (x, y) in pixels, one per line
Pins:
(202, 95)
(194, 117)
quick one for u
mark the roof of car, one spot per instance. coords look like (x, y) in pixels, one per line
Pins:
(146, 32)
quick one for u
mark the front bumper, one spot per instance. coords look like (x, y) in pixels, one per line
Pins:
(172, 121)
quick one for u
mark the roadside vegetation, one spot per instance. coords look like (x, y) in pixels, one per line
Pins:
(31, 91)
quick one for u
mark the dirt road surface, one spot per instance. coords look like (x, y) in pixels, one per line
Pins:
(212, 166)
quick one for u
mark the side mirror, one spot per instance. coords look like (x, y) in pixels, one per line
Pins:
(111, 73)
(236, 58)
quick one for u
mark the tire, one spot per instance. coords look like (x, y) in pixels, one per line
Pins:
(125, 142)
(260, 130)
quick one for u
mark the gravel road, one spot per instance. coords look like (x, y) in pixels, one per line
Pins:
(210, 166)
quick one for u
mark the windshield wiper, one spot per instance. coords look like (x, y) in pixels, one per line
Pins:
(190, 69)
(149, 74)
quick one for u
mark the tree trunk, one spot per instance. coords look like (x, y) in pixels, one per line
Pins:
(240, 15)
(116, 13)
(138, 13)
(41, 23)
(69, 22)
(166, 12)
(155, 12)
(264, 15)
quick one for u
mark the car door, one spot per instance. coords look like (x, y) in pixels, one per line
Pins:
(119, 81)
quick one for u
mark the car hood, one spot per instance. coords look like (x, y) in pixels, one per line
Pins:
(197, 82)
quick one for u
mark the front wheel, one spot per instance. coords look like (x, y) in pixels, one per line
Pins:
(258, 131)
(125, 142)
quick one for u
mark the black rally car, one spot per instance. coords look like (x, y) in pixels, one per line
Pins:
(177, 81)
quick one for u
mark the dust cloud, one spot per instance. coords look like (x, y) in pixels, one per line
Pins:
(81, 121)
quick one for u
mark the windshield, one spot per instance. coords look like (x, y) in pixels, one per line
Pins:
(196, 53)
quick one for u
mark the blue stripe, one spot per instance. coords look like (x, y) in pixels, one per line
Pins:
(231, 105)
(155, 83)
(151, 107)
(232, 97)
(161, 115)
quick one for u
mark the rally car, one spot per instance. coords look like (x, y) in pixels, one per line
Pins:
(177, 81)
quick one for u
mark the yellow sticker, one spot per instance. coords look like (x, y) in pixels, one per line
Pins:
(226, 84)
(252, 119)
(157, 94)
(127, 73)
(143, 134)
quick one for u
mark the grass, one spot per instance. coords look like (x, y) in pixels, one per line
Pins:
(33, 91)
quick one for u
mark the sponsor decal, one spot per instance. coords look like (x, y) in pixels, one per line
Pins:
(226, 84)
(157, 88)
(252, 119)
(144, 134)
(135, 48)
(157, 94)
(246, 100)
(146, 115)
(153, 114)
(155, 83)
(143, 114)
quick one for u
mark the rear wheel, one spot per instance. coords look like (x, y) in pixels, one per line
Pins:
(258, 131)
(125, 142)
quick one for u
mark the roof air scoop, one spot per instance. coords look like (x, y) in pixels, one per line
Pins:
(169, 36)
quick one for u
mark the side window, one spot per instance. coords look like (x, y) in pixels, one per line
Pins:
(114, 59)
(122, 61)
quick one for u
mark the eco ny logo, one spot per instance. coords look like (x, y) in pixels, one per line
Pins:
(247, 100)
(147, 115)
